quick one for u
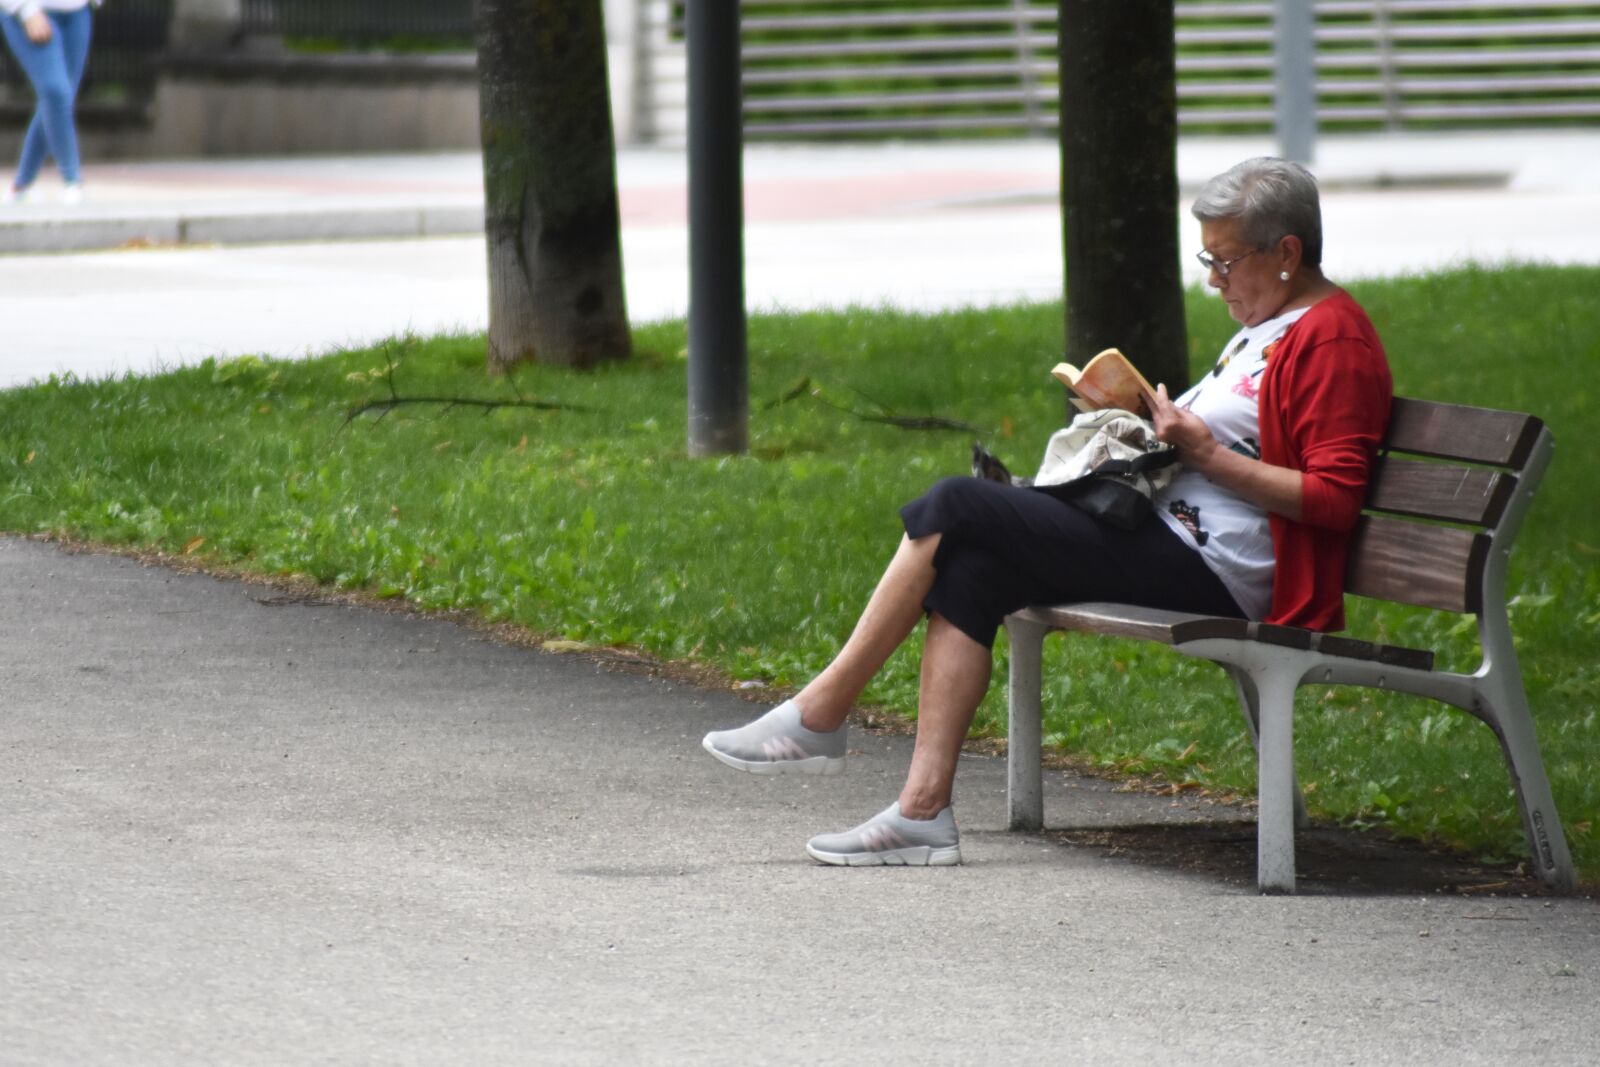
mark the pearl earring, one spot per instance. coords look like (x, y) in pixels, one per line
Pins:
(1283, 275)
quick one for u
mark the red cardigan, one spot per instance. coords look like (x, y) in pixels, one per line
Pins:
(1324, 405)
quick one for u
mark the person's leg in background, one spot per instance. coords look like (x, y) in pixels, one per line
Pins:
(55, 68)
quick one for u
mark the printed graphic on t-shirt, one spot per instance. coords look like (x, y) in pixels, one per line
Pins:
(1234, 538)
(1190, 517)
(1246, 386)
(1248, 447)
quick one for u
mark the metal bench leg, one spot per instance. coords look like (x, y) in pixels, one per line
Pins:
(1250, 707)
(1508, 713)
(1503, 701)
(1024, 772)
(1275, 684)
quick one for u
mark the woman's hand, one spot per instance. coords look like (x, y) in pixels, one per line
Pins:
(37, 26)
(1182, 429)
(1277, 489)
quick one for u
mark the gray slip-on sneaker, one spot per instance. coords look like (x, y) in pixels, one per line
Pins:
(777, 743)
(889, 839)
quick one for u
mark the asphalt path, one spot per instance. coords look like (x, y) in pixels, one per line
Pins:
(247, 826)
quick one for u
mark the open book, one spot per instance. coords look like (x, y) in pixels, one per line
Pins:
(1106, 381)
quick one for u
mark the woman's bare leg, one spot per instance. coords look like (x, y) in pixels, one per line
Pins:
(891, 613)
(955, 676)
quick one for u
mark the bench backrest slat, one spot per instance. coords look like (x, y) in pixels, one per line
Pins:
(1430, 566)
(1458, 432)
(1445, 491)
(1470, 474)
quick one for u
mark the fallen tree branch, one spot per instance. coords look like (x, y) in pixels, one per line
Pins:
(795, 391)
(887, 417)
(449, 402)
(395, 400)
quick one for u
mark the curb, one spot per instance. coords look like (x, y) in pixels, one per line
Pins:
(59, 232)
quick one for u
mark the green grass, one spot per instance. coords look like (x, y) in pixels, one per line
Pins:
(593, 526)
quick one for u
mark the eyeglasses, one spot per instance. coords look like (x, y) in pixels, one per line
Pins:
(1221, 266)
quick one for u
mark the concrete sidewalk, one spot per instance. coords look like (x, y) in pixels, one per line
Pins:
(921, 227)
(342, 198)
(243, 826)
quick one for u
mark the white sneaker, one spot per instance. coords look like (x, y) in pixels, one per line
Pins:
(13, 195)
(889, 839)
(71, 194)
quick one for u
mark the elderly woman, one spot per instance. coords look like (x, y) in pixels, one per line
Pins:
(1276, 444)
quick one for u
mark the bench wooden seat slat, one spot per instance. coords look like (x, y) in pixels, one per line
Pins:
(1399, 552)
(1179, 628)
(1476, 495)
(1456, 431)
(1282, 636)
(1417, 659)
(1145, 624)
(1399, 656)
(1429, 566)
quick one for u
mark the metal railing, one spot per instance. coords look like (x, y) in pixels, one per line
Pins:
(827, 68)
(905, 68)
(361, 23)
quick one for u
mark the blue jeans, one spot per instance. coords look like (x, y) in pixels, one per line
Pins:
(55, 68)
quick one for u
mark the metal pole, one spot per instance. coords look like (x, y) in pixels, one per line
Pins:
(718, 360)
(1026, 77)
(1295, 112)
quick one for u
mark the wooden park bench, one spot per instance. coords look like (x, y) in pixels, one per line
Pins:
(1449, 490)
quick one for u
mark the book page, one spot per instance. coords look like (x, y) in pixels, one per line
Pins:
(1118, 381)
(1108, 380)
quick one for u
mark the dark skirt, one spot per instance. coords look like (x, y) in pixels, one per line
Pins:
(1004, 548)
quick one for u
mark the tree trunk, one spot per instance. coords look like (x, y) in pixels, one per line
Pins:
(550, 184)
(1119, 185)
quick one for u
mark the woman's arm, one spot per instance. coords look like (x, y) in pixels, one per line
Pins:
(1277, 489)
(35, 23)
(38, 28)
(22, 9)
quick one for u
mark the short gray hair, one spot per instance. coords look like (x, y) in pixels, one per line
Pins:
(1272, 198)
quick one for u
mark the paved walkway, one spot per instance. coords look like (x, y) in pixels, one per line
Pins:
(331, 198)
(912, 226)
(241, 827)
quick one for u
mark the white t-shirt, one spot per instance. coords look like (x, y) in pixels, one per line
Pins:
(1230, 533)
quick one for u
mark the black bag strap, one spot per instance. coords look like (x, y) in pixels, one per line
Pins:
(1150, 461)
